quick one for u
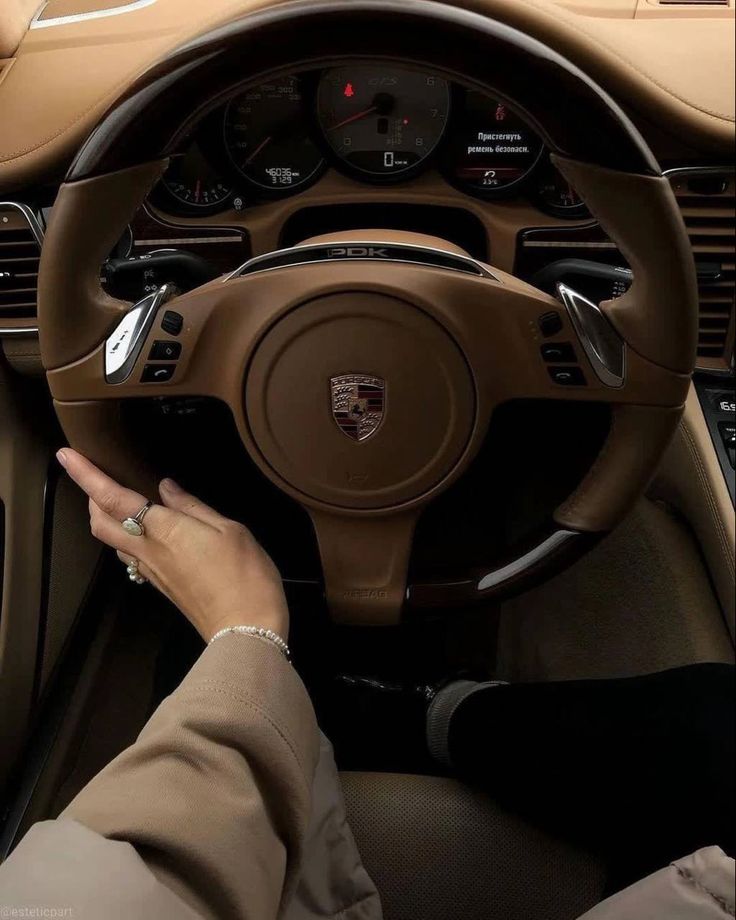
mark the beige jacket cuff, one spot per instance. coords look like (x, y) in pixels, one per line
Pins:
(696, 887)
(215, 794)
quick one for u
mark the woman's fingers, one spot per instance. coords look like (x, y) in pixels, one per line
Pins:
(114, 500)
(174, 497)
(209, 567)
(109, 530)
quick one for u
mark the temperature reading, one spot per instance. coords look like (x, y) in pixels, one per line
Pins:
(492, 148)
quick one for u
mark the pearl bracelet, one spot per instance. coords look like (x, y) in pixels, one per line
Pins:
(259, 632)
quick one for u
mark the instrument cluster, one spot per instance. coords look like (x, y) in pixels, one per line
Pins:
(374, 121)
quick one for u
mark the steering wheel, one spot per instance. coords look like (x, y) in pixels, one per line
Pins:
(362, 370)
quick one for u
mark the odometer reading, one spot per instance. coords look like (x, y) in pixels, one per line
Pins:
(382, 120)
(267, 136)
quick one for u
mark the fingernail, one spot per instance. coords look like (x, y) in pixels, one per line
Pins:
(61, 457)
(170, 486)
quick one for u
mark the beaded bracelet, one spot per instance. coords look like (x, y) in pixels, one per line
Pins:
(259, 632)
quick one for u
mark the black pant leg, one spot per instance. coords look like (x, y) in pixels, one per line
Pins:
(640, 770)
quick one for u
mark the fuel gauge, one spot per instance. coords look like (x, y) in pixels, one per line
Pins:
(191, 186)
(556, 196)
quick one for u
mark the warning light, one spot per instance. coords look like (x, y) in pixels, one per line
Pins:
(501, 112)
(405, 121)
(348, 91)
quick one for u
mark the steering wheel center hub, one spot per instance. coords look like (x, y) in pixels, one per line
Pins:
(360, 400)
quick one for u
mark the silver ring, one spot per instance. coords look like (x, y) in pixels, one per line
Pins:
(134, 525)
(133, 574)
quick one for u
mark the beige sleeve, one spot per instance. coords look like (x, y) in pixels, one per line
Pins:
(696, 887)
(215, 794)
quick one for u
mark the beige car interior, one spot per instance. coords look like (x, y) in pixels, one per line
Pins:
(538, 478)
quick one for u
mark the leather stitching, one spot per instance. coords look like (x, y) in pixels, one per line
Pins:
(689, 877)
(559, 14)
(105, 101)
(566, 17)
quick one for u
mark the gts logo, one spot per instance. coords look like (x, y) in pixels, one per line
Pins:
(353, 252)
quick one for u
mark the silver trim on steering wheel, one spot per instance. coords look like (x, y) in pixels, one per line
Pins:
(123, 346)
(605, 348)
(363, 251)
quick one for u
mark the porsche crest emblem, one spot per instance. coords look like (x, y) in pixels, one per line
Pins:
(357, 404)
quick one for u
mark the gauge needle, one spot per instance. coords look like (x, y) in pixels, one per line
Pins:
(197, 191)
(266, 140)
(356, 117)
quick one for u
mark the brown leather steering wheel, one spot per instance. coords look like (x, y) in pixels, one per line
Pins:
(362, 369)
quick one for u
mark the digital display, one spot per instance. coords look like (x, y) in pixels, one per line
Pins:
(491, 147)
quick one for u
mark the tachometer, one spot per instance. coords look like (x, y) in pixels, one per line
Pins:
(491, 148)
(268, 139)
(382, 120)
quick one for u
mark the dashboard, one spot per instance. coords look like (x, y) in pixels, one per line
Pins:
(376, 123)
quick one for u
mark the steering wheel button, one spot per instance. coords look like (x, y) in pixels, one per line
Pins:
(165, 351)
(558, 352)
(568, 376)
(550, 323)
(157, 373)
(172, 323)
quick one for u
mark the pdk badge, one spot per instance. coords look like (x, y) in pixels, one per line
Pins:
(357, 404)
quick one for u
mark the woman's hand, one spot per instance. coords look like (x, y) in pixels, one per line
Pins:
(209, 566)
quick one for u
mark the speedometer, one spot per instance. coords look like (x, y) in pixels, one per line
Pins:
(268, 139)
(382, 120)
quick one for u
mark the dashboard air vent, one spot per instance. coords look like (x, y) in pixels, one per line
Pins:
(20, 252)
(707, 199)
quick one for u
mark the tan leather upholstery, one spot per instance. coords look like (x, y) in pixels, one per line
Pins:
(15, 15)
(690, 479)
(438, 850)
(675, 71)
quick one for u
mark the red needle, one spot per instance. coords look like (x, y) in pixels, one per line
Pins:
(197, 191)
(266, 140)
(352, 118)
